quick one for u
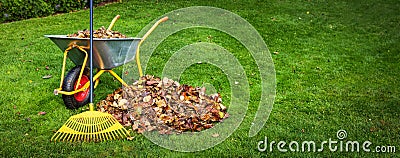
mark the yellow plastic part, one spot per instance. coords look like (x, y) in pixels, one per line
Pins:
(90, 126)
(113, 22)
(141, 41)
(81, 48)
(95, 78)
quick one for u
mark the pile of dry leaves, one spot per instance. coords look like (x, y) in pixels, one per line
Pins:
(102, 32)
(163, 105)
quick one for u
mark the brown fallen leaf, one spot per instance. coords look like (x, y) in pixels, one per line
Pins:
(42, 113)
(130, 138)
(215, 135)
(383, 123)
(47, 76)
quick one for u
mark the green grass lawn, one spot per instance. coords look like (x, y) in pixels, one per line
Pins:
(337, 67)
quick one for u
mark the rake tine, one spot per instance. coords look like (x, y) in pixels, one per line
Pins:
(108, 136)
(105, 136)
(112, 135)
(62, 137)
(68, 136)
(120, 133)
(101, 136)
(54, 137)
(73, 138)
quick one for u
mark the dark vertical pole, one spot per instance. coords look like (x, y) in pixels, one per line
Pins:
(91, 53)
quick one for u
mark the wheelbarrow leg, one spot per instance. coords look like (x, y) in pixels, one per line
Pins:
(117, 77)
(100, 72)
(63, 66)
(60, 89)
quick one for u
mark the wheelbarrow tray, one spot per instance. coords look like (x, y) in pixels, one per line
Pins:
(107, 53)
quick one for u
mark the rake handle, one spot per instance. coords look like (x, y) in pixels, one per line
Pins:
(91, 88)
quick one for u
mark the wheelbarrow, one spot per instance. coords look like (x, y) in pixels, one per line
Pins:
(107, 54)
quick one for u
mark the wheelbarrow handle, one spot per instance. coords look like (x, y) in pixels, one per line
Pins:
(141, 41)
(164, 19)
(153, 28)
(113, 22)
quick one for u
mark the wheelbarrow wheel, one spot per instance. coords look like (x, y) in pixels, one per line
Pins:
(78, 99)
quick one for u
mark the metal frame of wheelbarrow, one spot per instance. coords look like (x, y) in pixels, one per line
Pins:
(101, 68)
